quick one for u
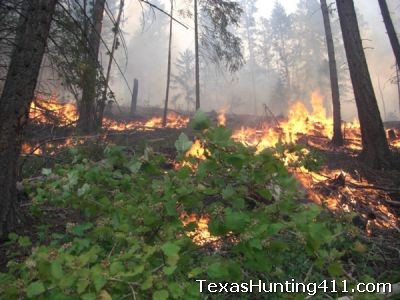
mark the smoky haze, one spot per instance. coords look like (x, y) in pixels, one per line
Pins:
(264, 78)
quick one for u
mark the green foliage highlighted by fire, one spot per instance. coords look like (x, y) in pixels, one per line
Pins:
(135, 245)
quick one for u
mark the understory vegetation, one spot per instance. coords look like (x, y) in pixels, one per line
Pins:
(134, 244)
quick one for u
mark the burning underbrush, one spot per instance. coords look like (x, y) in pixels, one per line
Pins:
(226, 212)
(340, 189)
(53, 112)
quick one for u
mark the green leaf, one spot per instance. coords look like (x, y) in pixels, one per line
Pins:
(148, 283)
(169, 270)
(24, 241)
(170, 249)
(195, 272)
(228, 192)
(200, 121)
(35, 289)
(222, 136)
(80, 229)
(56, 269)
(46, 172)
(13, 236)
(135, 166)
(183, 143)
(335, 269)
(160, 295)
(83, 190)
(81, 285)
(175, 290)
(116, 267)
(89, 296)
(217, 271)
(236, 221)
(99, 281)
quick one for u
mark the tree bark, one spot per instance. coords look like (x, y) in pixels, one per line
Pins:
(87, 112)
(17, 95)
(196, 50)
(337, 138)
(375, 151)
(103, 100)
(398, 83)
(134, 97)
(169, 66)
(394, 41)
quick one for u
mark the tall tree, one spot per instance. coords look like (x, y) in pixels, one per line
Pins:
(249, 21)
(394, 41)
(169, 65)
(103, 100)
(281, 45)
(375, 151)
(87, 111)
(196, 53)
(337, 138)
(17, 95)
(221, 45)
(184, 80)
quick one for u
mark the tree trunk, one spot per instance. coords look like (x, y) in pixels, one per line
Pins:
(102, 102)
(375, 151)
(196, 50)
(134, 97)
(394, 41)
(169, 66)
(337, 138)
(18, 92)
(87, 113)
(398, 83)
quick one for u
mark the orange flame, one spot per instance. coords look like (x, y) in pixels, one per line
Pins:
(221, 118)
(201, 235)
(51, 111)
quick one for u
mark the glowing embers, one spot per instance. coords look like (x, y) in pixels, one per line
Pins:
(200, 234)
(52, 147)
(341, 192)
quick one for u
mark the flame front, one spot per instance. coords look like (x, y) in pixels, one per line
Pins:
(52, 111)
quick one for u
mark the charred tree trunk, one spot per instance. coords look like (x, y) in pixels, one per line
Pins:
(375, 151)
(394, 41)
(87, 113)
(134, 97)
(102, 102)
(169, 66)
(196, 50)
(16, 98)
(337, 138)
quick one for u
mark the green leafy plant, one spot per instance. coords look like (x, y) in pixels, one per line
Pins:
(135, 245)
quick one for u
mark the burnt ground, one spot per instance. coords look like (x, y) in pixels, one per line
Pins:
(386, 242)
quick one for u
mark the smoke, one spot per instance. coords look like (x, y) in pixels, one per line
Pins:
(146, 33)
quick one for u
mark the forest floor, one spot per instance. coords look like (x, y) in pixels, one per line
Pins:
(54, 219)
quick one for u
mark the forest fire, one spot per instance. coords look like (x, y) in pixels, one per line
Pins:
(52, 111)
(336, 189)
(303, 123)
(200, 235)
